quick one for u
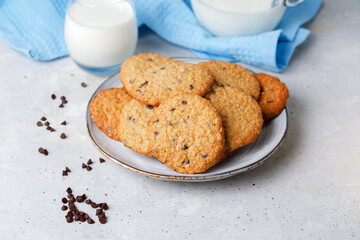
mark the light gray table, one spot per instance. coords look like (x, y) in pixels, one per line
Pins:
(309, 189)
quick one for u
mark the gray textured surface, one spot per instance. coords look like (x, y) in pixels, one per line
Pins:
(309, 189)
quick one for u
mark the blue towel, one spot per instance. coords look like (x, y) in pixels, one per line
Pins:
(36, 27)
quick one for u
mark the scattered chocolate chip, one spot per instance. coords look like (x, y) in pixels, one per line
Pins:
(69, 190)
(48, 128)
(90, 221)
(43, 119)
(191, 87)
(63, 123)
(171, 110)
(67, 169)
(104, 206)
(41, 150)
(132, 81)
(270, 101)
(39, 124)
(63, 98)
(204, 155)
(83, 165)
(51, 129)
(69, 219)
(88, 201)
(162, 68)
(47, 124)
(143, 84)
(53, 96)
(64, 200)
(222, 85)
(89, 162)
(94, 205)
(149, 107)
(64, 208)
(187, 161)
(61, 105)
(79, 199)
(70, 213)
(46, 152)
(83, 85)
(156, 121)
(88, 168)
(102, 220)
(101, 160)
(81, 213)
(72, 198)
(224, 68)
(77, 217)
(185, 147)
(156, 133)
(169, 89)
(72, 206)
(64, 173)
(183, 102)
(149, 60)
(82, 219)
(63, 136)
(99, 211)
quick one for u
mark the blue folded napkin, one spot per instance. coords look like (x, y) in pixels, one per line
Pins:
(36, 27)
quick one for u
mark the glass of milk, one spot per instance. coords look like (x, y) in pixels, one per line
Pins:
(101, 34)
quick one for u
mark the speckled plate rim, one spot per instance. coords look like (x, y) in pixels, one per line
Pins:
(210, 177)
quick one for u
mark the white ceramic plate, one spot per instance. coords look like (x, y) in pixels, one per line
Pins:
(244, 159)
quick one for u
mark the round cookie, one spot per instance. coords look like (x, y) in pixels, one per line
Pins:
(273, 96)
(186, 134)
(165, 78)
(233, 75)
(105, 109)
(132, 127)
(240, 114)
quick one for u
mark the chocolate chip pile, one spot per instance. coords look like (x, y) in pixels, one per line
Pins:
(75, 214)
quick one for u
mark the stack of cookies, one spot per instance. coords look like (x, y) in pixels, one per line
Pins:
(188, 116)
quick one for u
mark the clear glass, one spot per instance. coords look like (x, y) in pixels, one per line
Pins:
(101, 34)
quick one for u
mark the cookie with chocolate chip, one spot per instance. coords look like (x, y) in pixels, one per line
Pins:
(274, 95)
(186, 134)
(233, 75)
(133, 122)
(240, 114)
(105, 110)
(152, 82)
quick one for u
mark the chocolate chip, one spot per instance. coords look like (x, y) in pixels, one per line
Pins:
(104, 206)
(64, 173)
(224, 68)
(89, 162)
(88, 201)
(143, 84)
(70, 213)
(132, 81)
(187, 161)
(90, 221)
(63, 123)
(67, 169)
(94, 205)
(149, 107)
(82, 219)
(204, 155)
(171, 110)
(83, 85)
(64, 208)
(63, 136)
(162, 68)
(156, 133)
(81, 213)
(134, 120)
(270, 101)
(88, 168)
(48, 128)
(47, 124)
(102, 218)
(53, 96)
(69, 219)
(72, 206)
(83, 165)
(51, 129)
(39, 124)
(99, 211)
(77, 217)
(101, 160)
(72, 198)
(185, 147)
(183, 102)
(64, 200)
(156, 121)
(79, 199)
(61, 105)
(41, 150)
(222, 85)
(149, 60)
(69, 190)
(46, 152)
(43, 119)
(191, 87)
(169, 89)
(62, 97)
